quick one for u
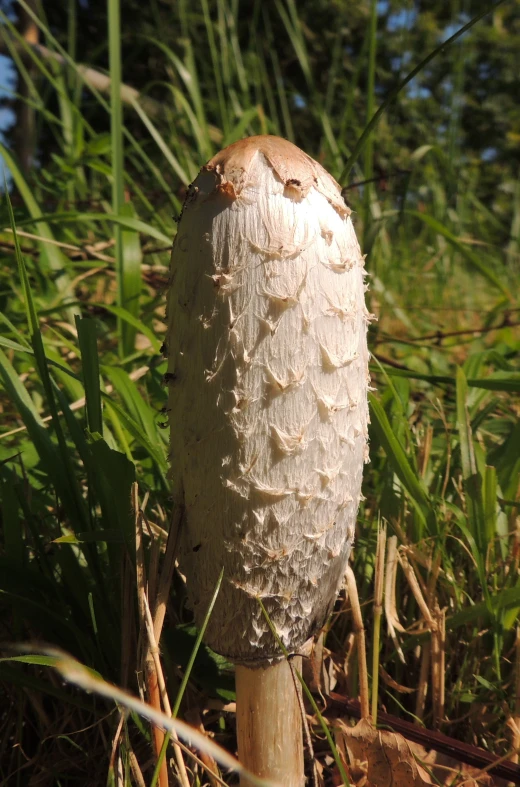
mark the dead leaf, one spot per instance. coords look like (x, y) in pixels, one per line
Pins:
(385, 757)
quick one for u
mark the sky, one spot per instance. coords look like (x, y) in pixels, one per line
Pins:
(7, 85)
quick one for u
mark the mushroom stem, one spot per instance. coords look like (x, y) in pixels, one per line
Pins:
(269, 723)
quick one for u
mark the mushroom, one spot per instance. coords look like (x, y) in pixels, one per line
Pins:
(268, 379)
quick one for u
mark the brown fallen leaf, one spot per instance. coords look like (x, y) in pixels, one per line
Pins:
(385, 757)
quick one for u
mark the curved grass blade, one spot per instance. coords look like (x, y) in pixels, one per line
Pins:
(130, 286)
(471, 476)
(161, 144)
(139, 435)
(65, 479)
(56, 261)
(127, 222)
(397, 457)
(469, 255)
(139, 325)
(20, 348)
(75, 672)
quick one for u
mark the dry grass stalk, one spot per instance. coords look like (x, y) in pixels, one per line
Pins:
(379, 571)
(313, 666)
(128, 634)
(140, 571)
(516, 718)
(136, 770)
(127, 620)
(150, 671)
(393, 683)
(193, 717)
(434, 575)
(359, 630)
(475, 778)
(154, 699)
(422, 688)
(434, 567)
(154, 652)
(427, 447)
(90, 77)
(165, 581)
(417, 557)
(348, 669)
(416, 590)
(392, 619)
(115, 740)
(152, 665)
(433, 654)
(438, 658)
(378, 611)
(309, 753)
(435, 663)
(153, 567)
(75, 672)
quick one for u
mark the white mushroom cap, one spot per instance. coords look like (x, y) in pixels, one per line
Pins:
(268, 370)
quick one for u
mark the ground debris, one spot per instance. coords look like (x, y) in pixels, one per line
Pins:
(379, 758)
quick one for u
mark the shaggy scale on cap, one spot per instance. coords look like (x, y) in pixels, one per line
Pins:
(268, 378)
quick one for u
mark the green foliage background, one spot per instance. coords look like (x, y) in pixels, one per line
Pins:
(436, 196)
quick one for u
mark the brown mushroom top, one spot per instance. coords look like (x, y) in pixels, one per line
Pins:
(298, 171)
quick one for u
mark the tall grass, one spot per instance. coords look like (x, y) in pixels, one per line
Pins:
(82, 311)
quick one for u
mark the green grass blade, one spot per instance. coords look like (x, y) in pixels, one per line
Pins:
(397, 457)
(469, 255)
(116, 133)
(131, 285)
(135, 405)
(223, 110)
(161, 144)
(489, 494)
(470, 474)
(56, 261)
(114, 476)
(90, 371)
(370, 101)
(155, 452)
(51, 362)
(12, 524)
(121, 221)
(137, 324)
(68, 485)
